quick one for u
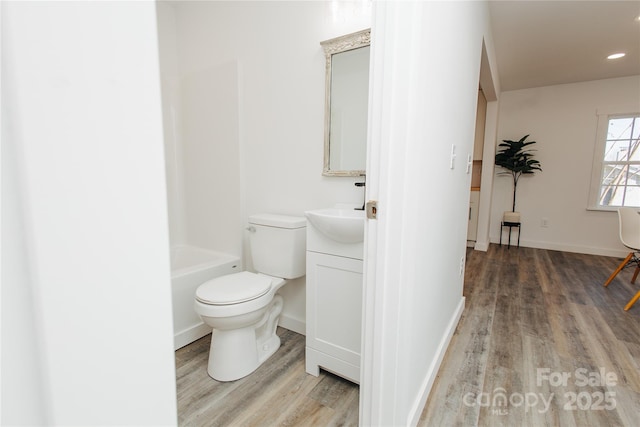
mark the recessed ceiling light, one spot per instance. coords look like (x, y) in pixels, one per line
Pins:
(637, 18)
(616, 55)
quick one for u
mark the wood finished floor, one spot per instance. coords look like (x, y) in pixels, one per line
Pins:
(278, 393)
(525, 309)
(528, 309)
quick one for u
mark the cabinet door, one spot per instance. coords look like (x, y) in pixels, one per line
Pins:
(334, 306)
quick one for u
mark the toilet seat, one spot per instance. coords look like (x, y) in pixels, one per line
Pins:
(234, 288)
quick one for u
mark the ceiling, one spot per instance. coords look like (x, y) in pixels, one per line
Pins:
(543, 43)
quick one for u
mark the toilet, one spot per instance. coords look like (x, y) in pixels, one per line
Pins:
(243, 308)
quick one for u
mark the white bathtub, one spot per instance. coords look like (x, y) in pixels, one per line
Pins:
(190, 267)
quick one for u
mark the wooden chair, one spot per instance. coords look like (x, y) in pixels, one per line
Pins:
(629, 225)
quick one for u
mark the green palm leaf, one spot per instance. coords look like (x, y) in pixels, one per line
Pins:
(517, 160)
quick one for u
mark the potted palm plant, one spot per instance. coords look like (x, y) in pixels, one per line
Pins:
(517, 159)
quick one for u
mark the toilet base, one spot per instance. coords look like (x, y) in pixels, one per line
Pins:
(236, 353)
(268, 348)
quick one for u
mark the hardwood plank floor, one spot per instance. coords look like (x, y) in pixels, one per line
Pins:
(279, 392)
(526, 309)
(529, 309)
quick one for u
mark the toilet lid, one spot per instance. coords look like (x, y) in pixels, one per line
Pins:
(233, 289)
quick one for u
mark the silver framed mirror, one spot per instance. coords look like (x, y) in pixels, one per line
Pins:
(346, 104)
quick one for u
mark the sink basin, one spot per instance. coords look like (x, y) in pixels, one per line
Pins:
(341, 225)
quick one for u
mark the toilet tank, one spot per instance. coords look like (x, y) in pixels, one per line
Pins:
(278, 244)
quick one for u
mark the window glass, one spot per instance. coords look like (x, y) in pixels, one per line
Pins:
(616, 151)
(620, 128)
(619, 163)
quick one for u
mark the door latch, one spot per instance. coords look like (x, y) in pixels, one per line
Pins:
(372, 209)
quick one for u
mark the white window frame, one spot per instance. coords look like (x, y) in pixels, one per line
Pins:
(598, 159)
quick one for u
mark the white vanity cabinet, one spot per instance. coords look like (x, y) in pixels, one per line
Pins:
(334, 305)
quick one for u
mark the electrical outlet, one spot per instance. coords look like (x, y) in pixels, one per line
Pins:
(544, 222)
(461, 266)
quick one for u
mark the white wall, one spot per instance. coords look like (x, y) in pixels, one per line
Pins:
(269, 157)
(201, 127)
(425, 72)
(211, 158)
(562, 119)
(86, 216)
(23, 397)
(171, 112)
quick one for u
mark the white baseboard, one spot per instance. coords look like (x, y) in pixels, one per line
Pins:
(190, 335)
(481, 246)
(196, 332)
(568, 248)
(427, 383)
(293, 324)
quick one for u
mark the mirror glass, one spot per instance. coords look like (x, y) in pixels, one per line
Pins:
(346, 104)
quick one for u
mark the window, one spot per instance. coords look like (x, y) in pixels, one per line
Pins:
(617, 162)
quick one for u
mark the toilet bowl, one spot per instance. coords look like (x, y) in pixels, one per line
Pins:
(242, 308)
